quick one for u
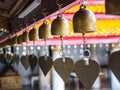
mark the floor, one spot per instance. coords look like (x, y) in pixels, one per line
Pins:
(105, 86)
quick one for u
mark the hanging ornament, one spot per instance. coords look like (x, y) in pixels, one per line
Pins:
(45, 29)
(114, 63)
(60, 25)
(64, 68)
(87, 70)
(16, 56)
(63, 65)
(25, 35)
(33, 61)
(33, 58)
(19, 39)
(84, 20)
(45, 62)
(33, 33)
(33, 36)
(25, 58)
(8, 55)
(87, 74)
(14, 41)
(112, 7)
(25, 61)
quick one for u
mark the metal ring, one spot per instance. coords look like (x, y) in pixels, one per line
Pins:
(62, 53)
(82, 6)
(86, 53)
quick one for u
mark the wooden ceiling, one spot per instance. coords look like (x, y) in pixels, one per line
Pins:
(10, 9)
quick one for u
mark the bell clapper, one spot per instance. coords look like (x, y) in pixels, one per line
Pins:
(86, 52)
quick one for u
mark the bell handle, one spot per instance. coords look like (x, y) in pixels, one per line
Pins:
(82, 6)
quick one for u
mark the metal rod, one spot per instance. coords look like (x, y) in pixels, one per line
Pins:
(86, 52)
(45, 47)
(46, 52)
(84, 41)
(62, 49)
(33, 47)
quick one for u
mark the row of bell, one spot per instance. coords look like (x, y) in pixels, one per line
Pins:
(83, 22)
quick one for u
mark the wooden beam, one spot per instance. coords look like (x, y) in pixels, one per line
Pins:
(4, 13)
(1, 2)
(16, 7)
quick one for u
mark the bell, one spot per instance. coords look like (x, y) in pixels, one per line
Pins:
(14, 40)
(33, 34)
(112, 7)
(60, 26)
(25, 37)
(44, 31)
(8, 43)
(84, 21)
(19, 39)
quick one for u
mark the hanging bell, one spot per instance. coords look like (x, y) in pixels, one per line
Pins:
(44, 31)
(14, 40)
(19, 39)
(25, 37)
(84, 21)
(112, 7)
(8, 43)
(60, 26)
(33, 34)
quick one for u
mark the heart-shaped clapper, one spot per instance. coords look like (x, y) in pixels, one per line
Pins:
(16, 59)
(87, 73)
(63, 67)
(114, 63)
(45, 63)
(25, 61)
(32, 61)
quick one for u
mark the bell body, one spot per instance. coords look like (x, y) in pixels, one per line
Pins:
(45, 31)
(33, 34)
(14, 40)
(60, 26)
(19, 39)
(25, 37)
(84, 21)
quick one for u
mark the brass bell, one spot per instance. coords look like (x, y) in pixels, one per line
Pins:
(44, 31)
(8, 43)
(19, 39)
(112, 7)
(14, 40)
(25, 37)
(60, 26)
(84, 20)
(33, 34)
